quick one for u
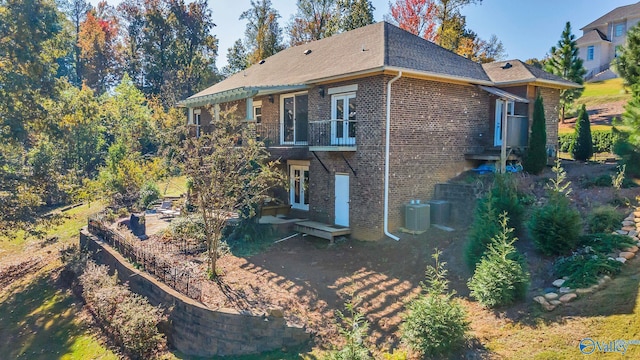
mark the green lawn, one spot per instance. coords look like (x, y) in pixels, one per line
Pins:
(38, 321)
(174, 186)
(602, 92)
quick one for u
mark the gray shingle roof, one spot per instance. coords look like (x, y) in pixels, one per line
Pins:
(619, 13)
(519, 72)
(368, 49)
(594, 35)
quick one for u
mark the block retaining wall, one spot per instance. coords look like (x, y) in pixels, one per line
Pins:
(194, 329)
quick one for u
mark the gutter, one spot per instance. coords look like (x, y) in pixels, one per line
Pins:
(386, 159)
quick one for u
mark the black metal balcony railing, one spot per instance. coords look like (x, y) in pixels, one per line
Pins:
(328, 133)
(268, 133)
(321, 133)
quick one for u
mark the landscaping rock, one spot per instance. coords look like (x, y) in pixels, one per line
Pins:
(633, 249)
(628, 223)
(540, 300)
(549, 290)
(568, 297)
(627, 255)
(549, 307)
(583, 291)
(621, 232)
(551, 296)
(622, 260)
(558, 283)
(628, 228)
(565, 290)
(636, 214)
(555, 302)
(632, 233)
(636, 219)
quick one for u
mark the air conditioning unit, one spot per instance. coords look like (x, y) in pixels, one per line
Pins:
(417, 217)
(440, 211)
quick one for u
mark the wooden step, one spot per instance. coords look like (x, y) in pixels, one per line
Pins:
(324, 231)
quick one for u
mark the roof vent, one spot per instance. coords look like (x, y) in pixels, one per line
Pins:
(507, 66)
(261, 62)
(307, 52)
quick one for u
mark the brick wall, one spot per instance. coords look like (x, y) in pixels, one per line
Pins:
(366, 183)
(433, 125)
(551, 101)
(194, 329)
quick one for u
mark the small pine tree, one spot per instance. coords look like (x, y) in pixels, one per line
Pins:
(555, 227)
(501, 276)
(582, 148)
(435, 323)
(536, 156)
(483, 229)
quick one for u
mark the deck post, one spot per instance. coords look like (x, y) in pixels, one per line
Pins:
(503, 146)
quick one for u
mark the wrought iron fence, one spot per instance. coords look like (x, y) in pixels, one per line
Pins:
(183, 280)
(332, 133)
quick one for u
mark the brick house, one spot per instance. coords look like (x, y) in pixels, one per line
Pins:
(327, 108)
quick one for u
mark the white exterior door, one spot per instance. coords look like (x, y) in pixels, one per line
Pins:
(343, 112)
(342, 200)
(299, 187)
(497, 138)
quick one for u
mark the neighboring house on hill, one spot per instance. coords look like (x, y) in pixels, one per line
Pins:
(601, 40)
(324, 108)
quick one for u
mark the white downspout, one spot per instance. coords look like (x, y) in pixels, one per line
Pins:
(386, 160)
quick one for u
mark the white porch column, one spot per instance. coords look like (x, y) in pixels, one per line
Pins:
(249, 103)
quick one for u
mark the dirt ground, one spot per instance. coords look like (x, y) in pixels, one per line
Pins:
(310, 280)
(601, 114)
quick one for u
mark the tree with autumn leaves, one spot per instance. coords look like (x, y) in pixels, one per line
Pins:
(441, 22)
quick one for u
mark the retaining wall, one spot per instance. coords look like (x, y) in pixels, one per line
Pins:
(193, 328)
(462, 198)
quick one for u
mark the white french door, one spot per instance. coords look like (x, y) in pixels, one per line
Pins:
(343, 112)
(294, 119)
(299, 187)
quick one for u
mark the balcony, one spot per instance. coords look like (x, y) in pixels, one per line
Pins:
(321, 135)
(332, 135)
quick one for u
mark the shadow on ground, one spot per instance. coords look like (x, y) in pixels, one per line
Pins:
(38, 321)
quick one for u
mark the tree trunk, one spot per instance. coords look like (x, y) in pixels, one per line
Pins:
(562, 114)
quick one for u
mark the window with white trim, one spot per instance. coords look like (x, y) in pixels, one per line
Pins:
(197, 121)
(619, 30)
(257, 111)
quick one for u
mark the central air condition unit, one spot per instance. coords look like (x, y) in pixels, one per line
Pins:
(417, 217)
(440, 211)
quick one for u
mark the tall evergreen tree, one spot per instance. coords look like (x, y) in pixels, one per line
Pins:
(77, 11)
(354, 14)
(582, 147)
(627, 64)
(564, 62)
(536, 156)
(133, 21)
(314, 20)
(263, 34)
(237, 58)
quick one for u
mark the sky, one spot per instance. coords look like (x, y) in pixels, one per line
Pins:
(527, 28)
